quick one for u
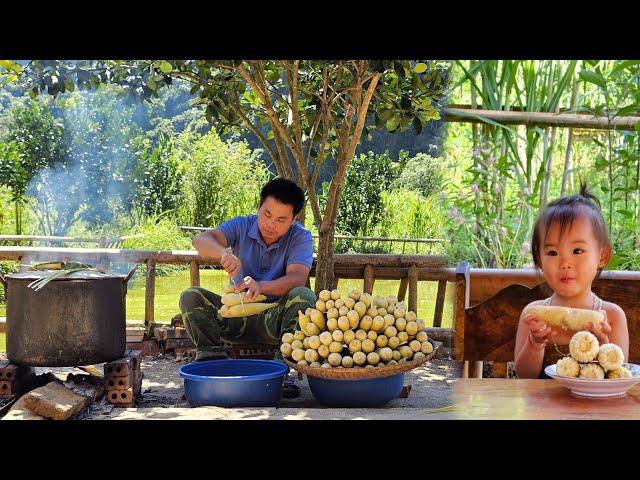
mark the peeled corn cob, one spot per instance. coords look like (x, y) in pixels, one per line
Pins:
(621, 372)
(584, 347)
(591, 370)
(245, 310)
(231, 299)
(228, 289)
(568, 367)
(565, 317)
(610, 356)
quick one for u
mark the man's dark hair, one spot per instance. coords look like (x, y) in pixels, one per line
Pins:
(285, 191)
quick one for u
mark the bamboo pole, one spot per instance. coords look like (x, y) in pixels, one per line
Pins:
(541, 119)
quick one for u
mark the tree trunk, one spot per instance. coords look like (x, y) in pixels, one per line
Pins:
(324, 264)
(18, 223)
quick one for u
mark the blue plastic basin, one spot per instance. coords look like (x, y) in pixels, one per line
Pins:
(234, 383)
(366, 392)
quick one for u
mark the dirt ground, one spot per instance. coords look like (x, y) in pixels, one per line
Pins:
(431, 387)
(162, 387)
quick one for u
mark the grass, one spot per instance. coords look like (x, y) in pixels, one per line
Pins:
(168, 291)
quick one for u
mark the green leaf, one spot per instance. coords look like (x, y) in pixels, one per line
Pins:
(165, 67)
(627, 110)
(614, 262)
(12, 66)
(637, 127)
(593, 77)
(386, 114)
(626, 64)
(393, 123)
(420, 68)
(194, 89)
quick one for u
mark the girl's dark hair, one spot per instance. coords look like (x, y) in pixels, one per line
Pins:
(564, 211)
(285, 191)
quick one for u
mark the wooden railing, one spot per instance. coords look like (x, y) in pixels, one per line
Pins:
(100, 242)
(409, 269)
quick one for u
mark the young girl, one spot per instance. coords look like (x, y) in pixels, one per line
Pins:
(571, 246)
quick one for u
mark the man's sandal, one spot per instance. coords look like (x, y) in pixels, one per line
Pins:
(290, 389)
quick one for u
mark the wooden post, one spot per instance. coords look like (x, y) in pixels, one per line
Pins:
(150, 291)
(402, 291)
(476, 369)
(461, 303)
(194, 273)
(437, 314)
(413, 288)
(368, 278)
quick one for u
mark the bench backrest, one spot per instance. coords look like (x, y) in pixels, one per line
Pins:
(487, 331)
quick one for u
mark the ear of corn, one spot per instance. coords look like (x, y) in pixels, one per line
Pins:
(245, 310)
(231, 299)
(564, 317)
(228, 289)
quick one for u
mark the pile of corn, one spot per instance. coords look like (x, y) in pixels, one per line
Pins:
(236, 305)
(589, 359)
(357, 331)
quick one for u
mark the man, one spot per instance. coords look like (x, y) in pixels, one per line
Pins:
(269, 253)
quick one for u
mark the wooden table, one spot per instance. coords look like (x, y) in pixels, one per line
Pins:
(503, 398)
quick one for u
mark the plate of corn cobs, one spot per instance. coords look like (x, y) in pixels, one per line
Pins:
(594, 370)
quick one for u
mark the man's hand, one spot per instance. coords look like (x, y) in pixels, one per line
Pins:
(230, 263)
(251, 286)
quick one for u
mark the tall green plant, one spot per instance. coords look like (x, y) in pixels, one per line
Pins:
(220, 179)
(507, 159)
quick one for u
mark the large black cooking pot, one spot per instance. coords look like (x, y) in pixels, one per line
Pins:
(73, 320)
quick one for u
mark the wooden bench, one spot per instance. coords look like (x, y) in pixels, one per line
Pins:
(489, 304)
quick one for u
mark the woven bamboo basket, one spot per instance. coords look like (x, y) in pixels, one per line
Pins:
(362, 373)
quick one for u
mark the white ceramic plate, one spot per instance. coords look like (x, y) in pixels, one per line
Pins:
(584, 387)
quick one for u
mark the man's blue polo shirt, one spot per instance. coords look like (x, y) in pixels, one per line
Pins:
(259, 261)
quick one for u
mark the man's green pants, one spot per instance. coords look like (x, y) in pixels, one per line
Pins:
(207, 328)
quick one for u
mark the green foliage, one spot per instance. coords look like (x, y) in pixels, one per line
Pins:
(220, 179)
(6, 268)
(158, 232)
(361, 202)
(407, 214)
(421, 173)
(158, 177)
(33, 141)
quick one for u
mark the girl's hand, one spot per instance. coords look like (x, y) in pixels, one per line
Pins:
(540, 332)
(602, 332)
